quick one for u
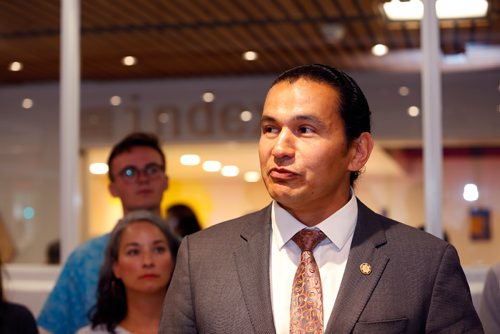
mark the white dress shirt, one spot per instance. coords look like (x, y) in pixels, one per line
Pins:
(331, 256)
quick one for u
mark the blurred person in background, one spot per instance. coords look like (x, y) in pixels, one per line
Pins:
(489, 309)
(14, 318)
(182, 220)
(138, 265)
(137, 177)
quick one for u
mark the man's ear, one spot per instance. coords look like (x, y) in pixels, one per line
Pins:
(362, 146)
(167, 183)
(112, 189)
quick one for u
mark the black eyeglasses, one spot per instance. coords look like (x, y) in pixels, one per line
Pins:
(151, 170)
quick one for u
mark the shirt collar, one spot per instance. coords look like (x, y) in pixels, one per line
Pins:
(338, 228)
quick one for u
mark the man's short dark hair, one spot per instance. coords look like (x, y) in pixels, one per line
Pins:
(353, 108)
(134, 140)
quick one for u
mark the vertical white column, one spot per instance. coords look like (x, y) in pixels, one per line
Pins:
(69, 125)
(432, 115)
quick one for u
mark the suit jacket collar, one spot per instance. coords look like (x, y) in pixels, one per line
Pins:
(356, 287)
(252, 263)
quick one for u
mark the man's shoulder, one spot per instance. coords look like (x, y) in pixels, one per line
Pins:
(495, 272)
(248, 224)
(397, 232)
(246, 221)
(91, 249)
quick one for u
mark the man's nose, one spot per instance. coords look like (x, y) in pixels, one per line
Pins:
(142, 176)
(284, 145)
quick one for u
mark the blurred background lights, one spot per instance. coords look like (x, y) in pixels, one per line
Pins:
(115, 100)
(413, 111)
(163, 118)
(208, 97)
(230, 171)
(404, 91)
(246, 116)
(28, 213)
(379, 50)
(98, 168)
(129, 61)
(211, 166)
(471, 193)
(27, 103)
(15, 66)
(190, 159)
(251, 176)
(250, 55)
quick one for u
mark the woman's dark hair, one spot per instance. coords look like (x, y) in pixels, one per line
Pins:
(111, 306)
(353, 108)
(182, 220)
(1, 284)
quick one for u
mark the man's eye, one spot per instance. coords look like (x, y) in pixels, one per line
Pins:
(305, 129)
(129, 172)
(269, 129)
(150, 170)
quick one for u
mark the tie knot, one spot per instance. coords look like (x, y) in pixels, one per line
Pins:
(307, 239)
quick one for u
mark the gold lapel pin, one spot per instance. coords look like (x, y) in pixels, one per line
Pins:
(365, 268)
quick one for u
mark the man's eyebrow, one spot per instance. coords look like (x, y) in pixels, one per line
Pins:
(266, 118)
(310, 118)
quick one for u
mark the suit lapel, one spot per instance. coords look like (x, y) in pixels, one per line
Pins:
(252, 263)
(356, 287)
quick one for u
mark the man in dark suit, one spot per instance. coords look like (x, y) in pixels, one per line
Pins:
(375, 275)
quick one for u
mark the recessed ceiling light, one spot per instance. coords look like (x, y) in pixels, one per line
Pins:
(190, 159)
(163, 118)
(404, 91)
(98, 168)
(246, 116)
(208, 97)
(250, 55)
(413, 111)
(230, 171)
(27, 103)
(129, 61)
(333, 32)
(115, 100)
(379, 50)
(251, 176)
(211, 166)
(15, 66)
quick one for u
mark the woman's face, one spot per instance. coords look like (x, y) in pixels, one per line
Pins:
(144, 263)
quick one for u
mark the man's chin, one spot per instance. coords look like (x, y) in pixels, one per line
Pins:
(283, 196)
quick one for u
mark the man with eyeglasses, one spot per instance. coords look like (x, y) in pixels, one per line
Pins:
(137, 176)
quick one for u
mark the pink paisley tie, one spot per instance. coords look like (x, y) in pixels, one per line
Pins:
(306, 307)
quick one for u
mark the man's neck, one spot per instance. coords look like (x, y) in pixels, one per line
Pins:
(156, 211)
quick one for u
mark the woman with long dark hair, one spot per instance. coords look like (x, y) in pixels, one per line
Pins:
(138, 265)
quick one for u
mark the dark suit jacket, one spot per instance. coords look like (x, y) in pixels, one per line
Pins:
(221, 281)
